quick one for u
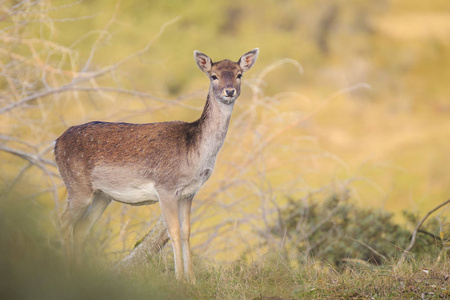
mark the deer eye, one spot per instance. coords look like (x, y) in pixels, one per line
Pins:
(214, 77)
(239, 76)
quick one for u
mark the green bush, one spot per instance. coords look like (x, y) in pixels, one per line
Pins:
(336, 231)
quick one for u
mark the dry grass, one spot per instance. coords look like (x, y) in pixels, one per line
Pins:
(298, 129)
(32, 266)
(273, 277)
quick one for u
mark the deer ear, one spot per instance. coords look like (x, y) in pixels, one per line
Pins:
(203, 61)
(248, 59)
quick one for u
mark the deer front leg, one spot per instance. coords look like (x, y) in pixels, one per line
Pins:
(169, 208)
(184, 214)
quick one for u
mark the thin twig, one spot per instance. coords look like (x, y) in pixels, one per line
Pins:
(370, 248)
(87, 76)
(100, 38)
(416, 230)
(34, 159)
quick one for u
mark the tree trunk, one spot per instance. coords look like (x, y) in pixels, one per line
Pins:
(150, 245)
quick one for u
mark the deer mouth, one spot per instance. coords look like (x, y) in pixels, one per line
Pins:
(228, 100)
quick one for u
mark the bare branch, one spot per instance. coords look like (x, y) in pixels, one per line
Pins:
(370, 248)
(151, 244)
(34, 159)
(416, 230)
(128, 58)
(100, 38)
(83, 76)
(271, 138)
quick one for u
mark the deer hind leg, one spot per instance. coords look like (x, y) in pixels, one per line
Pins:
(67, 232)
(81, 212)
(90, 216)
(76, 206)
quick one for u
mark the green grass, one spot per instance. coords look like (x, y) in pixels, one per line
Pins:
(273, 276)
(32, 267)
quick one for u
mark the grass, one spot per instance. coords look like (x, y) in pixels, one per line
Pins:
(393, 136)
(295, 135)
(33, 268)
(273, 276)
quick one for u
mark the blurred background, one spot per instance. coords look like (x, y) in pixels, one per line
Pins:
(347, 98)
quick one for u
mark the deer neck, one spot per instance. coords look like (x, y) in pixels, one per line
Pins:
(213, 125)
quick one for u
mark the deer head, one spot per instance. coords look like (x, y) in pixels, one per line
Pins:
(225, 75)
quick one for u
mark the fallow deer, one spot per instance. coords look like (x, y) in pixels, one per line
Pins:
(142, 164)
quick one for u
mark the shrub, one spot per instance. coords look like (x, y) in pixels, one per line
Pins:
(336, 231)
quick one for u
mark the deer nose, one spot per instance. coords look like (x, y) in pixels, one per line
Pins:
(230, 92)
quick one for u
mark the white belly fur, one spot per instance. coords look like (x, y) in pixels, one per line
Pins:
(124, 185)
(134, 195)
